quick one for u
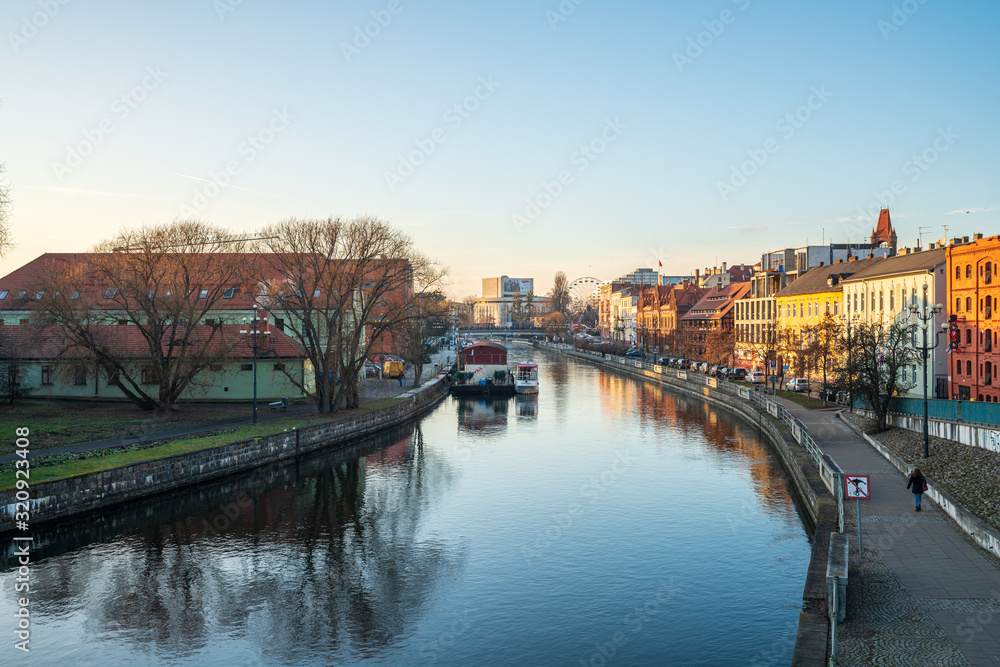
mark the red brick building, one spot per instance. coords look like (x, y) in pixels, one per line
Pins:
(973, 293)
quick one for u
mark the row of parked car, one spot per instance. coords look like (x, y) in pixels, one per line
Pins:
(714, 370)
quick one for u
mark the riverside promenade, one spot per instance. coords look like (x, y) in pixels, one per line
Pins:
(924, 593)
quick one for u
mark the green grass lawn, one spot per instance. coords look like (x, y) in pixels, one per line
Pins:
(187, 445)
(802, 399)
(58, 423)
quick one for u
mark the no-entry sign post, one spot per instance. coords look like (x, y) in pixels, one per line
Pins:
(857, 487)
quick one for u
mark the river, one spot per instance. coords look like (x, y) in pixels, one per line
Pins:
(604, 522)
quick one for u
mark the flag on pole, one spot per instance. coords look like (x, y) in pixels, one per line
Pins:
(661, 263)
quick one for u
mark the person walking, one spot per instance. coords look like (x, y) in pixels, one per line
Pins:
(919, 485)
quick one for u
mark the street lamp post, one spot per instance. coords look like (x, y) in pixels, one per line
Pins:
(258, 339)
(925, 313)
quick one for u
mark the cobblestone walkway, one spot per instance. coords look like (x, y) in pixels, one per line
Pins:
(923, 594)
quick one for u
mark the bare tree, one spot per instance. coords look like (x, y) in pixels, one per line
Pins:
(344, 289)
(6, 237)
(466, 311)
(720, 346)
(419, 329)
(139, 305)
(872, 368)
(825, 346)
(560, 294)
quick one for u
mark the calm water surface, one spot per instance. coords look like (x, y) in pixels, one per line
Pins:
(604, 522)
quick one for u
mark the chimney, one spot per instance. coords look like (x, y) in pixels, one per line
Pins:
(870, 256)
(697, 275)
(723, 267)
(977, 237)
(852, 258)
(839, 261)
(821, 263)
(931, 246)
(965, 239)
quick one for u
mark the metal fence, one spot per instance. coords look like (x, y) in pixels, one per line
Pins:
(976, 412)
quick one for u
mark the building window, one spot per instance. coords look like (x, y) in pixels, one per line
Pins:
(279, 323)
(110, 293)
(46, 374)
(958, 367)
(279, 367)
(958, 304)
(968, 336)
(968, 368)
(246, 367)
(24, 322)
(316, 293)
(958, 272)
(112, 378)
(881, 297)
(228, 294)
(968, 270)
(968, 304)
(203, 294)
(3, 294)
(80, 376)
(147, 376)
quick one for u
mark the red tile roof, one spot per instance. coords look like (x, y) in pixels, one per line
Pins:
(49, 342)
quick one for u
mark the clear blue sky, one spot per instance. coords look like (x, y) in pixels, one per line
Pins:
(331, 122)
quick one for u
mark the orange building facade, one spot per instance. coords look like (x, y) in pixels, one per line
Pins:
(973, 294)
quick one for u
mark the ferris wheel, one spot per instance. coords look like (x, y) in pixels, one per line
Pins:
(584, 288)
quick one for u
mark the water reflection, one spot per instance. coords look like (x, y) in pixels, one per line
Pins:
(526, 405)
(372, 554)
(326, 558)
(482, 416)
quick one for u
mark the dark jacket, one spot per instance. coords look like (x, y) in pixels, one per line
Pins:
(917, 482)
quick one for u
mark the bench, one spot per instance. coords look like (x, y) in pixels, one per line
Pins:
(278, 406)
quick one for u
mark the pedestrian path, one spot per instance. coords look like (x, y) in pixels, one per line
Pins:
(923, 593)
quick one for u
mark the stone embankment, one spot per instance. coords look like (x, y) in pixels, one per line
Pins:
(83, 493)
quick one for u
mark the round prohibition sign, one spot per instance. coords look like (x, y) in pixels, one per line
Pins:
(856, 487)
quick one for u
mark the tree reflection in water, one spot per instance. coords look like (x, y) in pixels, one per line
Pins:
(328, 559)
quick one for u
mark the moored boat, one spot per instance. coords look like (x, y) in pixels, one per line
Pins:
(526, 378)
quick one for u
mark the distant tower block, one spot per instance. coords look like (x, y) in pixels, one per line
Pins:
(884, 236)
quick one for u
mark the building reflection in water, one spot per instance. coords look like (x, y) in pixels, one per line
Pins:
(325, 560)
(660, 408)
